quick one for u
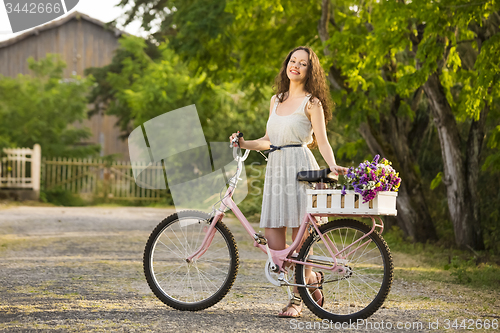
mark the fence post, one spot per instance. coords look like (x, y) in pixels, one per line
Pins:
(106, 181)
(36, 163)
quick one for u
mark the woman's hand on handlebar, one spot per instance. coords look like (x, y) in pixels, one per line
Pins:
(237, 139)
(337, 169)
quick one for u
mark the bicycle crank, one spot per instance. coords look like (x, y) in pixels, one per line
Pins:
(271, 273)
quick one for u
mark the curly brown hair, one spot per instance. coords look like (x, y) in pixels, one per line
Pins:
(315, 84)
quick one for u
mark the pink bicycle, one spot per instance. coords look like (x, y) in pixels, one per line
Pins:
(191, 258)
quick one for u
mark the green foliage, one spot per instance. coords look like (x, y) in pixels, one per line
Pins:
(215, 36)
(227, 53)
(139, 88)
(61, 197)
(479, 271)
(460, 269)
(489, 178)
(492, 162)
(44, 109)
(467, 271)
(252, 204)
(350, 150)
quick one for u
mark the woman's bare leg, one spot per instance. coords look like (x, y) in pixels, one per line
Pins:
(276, 238)
(310, 276)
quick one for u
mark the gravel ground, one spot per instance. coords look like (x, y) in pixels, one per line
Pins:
(80, 269)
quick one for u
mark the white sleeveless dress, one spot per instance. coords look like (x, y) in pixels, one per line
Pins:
(284, 198)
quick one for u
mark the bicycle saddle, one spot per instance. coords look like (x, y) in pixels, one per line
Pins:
(317, 176)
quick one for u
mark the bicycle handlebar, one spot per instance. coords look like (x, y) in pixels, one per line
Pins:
(235, 149)
(235, 140)
(239, 159)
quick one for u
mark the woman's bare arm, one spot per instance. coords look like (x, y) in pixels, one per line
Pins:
(319, 127)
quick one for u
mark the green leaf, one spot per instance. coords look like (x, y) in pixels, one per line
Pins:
(437, 180)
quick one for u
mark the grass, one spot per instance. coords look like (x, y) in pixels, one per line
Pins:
(17, 243)
(439, 263)
(4, 204)
(72, 202)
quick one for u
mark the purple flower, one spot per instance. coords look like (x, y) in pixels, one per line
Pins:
(369, 178)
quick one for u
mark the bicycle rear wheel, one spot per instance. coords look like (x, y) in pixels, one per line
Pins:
(190, 286)
(363, 287)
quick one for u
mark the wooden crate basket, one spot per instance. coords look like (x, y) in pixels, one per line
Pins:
(333, 202)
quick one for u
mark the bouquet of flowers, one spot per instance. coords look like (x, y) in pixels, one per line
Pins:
(372, 177)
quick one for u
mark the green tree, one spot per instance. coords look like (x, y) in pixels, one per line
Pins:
(403, 62)
(393, 67)
(137, 87)
(41, 108)
(457, 47)
(254, 40)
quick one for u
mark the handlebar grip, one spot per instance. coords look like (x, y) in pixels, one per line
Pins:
(235, 140)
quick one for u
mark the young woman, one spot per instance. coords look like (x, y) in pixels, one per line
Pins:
(297, 121)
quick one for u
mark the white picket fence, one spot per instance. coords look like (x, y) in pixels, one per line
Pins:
(89, 178)
(24, 169)
(20, 169)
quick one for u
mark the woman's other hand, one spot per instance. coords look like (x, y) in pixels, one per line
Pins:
(339, 170)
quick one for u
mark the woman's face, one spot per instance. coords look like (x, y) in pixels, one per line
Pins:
(297, 67)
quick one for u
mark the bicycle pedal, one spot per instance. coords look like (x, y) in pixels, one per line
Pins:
(260, 239)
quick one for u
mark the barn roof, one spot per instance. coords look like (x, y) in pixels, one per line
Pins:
(54, 24)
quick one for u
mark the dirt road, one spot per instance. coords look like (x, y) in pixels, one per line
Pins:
(80, 269)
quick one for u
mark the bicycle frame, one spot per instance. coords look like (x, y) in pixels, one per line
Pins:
(344, 263)
(281, 256)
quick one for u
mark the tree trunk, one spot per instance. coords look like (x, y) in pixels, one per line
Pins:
(393, 143)
(461, 206)
(474, 144)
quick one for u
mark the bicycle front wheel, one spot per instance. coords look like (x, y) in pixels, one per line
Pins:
(362, 287)
(204, 281)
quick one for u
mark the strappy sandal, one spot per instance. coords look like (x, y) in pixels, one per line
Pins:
(293, 304)
(317, 295)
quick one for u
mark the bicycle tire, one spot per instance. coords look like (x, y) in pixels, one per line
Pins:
(190, 286)
(361, 291)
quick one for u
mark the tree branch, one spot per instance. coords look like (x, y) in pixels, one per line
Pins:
(371, 141)
(324, 36)
(332, 21)
(323, 24)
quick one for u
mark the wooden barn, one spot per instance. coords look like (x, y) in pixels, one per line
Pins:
(82, 42)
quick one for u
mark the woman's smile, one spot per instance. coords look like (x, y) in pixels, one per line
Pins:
(297, 66)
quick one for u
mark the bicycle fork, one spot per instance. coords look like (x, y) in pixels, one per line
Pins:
(209, 236)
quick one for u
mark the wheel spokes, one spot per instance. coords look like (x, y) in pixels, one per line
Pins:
(351, 292)
(198, 280)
